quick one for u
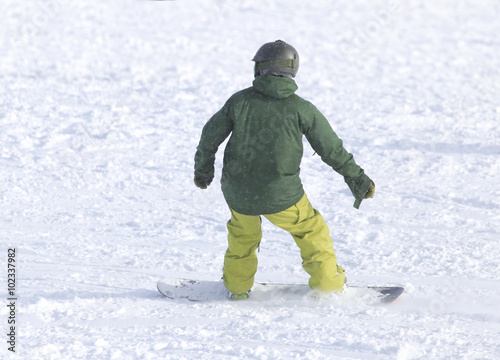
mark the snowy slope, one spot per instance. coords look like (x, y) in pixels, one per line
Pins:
(101, 107)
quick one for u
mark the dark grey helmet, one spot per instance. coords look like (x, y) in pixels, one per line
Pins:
(276, 58)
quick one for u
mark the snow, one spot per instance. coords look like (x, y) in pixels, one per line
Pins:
(101, 108)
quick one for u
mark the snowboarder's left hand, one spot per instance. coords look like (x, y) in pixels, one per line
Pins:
(202, 182)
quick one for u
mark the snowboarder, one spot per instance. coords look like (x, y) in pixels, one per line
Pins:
(260, 175)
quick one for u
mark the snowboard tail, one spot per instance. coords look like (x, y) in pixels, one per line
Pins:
(203, 290)
(387, 294)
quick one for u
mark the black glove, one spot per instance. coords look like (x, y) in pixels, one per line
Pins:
(202, 182)
(362, 188)
(371, 191)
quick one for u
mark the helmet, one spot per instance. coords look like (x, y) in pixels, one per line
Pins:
(276, 58)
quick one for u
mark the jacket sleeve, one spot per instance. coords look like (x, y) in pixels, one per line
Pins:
(215, 131)
(330, 147)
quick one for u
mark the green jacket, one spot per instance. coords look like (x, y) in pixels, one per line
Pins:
(262, 157)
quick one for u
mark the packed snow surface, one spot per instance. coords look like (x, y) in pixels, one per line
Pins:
(101, 107)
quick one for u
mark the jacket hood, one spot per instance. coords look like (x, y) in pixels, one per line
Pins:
(275, 86)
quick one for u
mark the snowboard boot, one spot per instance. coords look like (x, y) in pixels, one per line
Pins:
(239, 296)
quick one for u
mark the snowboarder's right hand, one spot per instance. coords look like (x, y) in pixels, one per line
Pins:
(371, 191)
(201, 181)
(362, 188)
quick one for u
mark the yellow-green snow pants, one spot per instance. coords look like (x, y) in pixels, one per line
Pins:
(311, 234)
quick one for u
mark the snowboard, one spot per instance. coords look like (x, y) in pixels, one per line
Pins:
(206, 290)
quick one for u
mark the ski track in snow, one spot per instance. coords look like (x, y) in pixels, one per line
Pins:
(101, 108)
